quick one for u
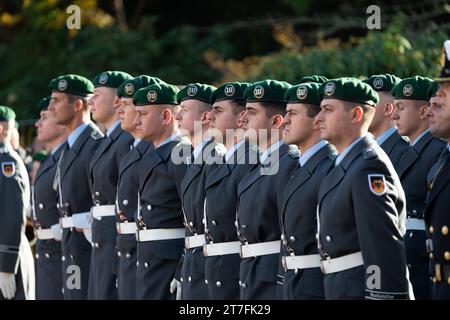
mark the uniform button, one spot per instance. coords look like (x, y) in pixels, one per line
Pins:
(444, 230)
(119, 254)
(71, 257)
(63, 258)
(137, 263)
(47, 255)
(96, 245)
(97, 193)
(181, 279)
(434, 279)
(125, 202)
(41, 206)
(431, 229)
(214, 223)
(447, 255)
(243, 285)
(282, 236)
(292, 238)
(203, 221)
(240, 283)
(146, 264)
(149, 207)
(206, 282)
(218, 284)
(189, 278)
(66, 204)
(236, 224)
(317, 236)
(191, 224)
(414, 211)
(128, 255)
(57, 205)
(92, 245)
(431, 255)
(244, 226)
(328, 238)
(37, 255)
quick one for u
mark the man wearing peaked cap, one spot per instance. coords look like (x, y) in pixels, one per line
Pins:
(300, 257)
(222, 247)
(312, 78)
(160, 232)
(436, 208)
(45, 214)
(361, 203)
(382, 126)
(127, 189)
(194, 121)
(72, 179)
(410, 116)
(16, 260)
(103, 173)
(257, 216)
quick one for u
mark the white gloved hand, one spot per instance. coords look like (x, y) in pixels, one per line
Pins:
(8, 285)
(175, 285)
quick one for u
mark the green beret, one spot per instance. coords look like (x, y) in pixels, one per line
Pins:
(72, 84)
(111, 79)
(39, 156)
(313, 78)
(43, 104)
(303, 93)
(382, 82)
(267, 91)
(197, 91)
(349, 89)
(432, 90)
(230, 91)
(129, 87)
(413, 88)
(160, 93)
(6, 113)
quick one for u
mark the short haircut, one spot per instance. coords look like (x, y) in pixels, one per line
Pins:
(71, 98)
(312, 110)
(273, 108)
(238, 106)
(368, 110)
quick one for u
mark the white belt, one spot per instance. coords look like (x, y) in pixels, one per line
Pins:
(159, 234)
(45, 234)
(82, 220)
(415, 224)
(221, 248)
(67, 222)
(301, 262)
(194, 241)
(126, 227)
(103, 211)
(260, 249)
(342, 263)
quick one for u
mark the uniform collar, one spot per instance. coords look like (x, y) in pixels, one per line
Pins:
(348, 149)
(274, 147)
(305, 156)
(233, 149)
(420, 137)
(385, 135)
(199, 148)
(173, 137)
(55, 149)
(75, 134)
(136, 142)
(112, 128)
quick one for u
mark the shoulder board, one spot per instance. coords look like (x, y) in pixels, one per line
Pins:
(96, 135)
(294, 152)
(369, 153)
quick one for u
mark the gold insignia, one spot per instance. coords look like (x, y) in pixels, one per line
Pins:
(152, 96)
(129, 89)
(408, 90)
(377, 184)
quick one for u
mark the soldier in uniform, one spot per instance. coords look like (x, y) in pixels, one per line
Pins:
(69, 106)
(382, 126)
(16, 260)
(361, 205)
(45, 214)
(104, 171)
(260, 192)
(410, 116)
(436, 212)
(300, 258)
(193, 121)
(160, 219)
(222, 249)
(127, 189)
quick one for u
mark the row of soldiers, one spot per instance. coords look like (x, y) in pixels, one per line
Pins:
(328, 189)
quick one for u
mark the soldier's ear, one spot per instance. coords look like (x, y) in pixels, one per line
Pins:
(423, 111)
(388, 109)
(277, 121)
(357, 114)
